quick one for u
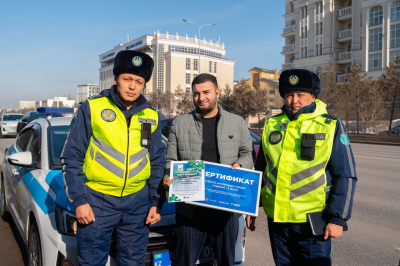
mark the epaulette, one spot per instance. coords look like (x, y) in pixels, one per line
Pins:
(151, 107)
(329, 118)
(95, 97)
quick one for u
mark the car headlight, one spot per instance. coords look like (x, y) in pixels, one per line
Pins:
(66, 221)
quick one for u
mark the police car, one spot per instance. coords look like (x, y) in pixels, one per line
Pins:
(33, 195)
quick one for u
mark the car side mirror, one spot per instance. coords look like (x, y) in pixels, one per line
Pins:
(23, 159)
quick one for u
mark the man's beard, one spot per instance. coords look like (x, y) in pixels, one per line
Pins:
(208, 109)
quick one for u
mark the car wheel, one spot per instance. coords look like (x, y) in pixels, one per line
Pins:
(34, 247)
(5, 215)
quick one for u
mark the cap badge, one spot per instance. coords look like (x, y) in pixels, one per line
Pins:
(108, 115)
(137, 61)
(275, 137)
(293, 79)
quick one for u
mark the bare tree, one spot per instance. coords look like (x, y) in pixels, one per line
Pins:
(330, 90)
(391, 84)
(261, 102)
(184, 100)
(241, 101)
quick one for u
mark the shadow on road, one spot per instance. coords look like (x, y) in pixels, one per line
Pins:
(19, 241)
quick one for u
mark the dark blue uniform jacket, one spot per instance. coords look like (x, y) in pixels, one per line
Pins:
(78, 141)
(340, 171)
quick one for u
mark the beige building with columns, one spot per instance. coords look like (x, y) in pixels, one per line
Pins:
(176, 61)
(317, 32)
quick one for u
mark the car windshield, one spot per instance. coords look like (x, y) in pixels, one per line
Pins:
(56, 136)
(254, 137)
(11, 117)
(37, 115)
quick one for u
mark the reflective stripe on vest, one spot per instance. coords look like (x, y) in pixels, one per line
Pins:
(115, 163)
(295, 187)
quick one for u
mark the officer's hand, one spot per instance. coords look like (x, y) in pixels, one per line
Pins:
(235, 165)
(167, 182)
(84, 214)
(251, 222)
(333, 230)
(154, 215)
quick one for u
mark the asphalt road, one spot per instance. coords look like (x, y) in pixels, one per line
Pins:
(374, 230)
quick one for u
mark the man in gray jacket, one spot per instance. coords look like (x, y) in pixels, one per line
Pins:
(211, 134)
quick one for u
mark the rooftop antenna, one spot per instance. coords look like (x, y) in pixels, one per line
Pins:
(219, 39)
(127, 37)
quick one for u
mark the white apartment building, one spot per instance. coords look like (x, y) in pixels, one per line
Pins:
(56, 102)
(317, 32)
(176, 61)
(86, 90)
(26, 104)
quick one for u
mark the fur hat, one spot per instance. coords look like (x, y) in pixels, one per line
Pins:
(133, 62)
(299, 80)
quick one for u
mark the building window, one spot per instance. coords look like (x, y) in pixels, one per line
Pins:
(395, 36)
(215, 67)
(159, 81)
(195, 64)
(375, 62)
(320, 49)
(317, 29)
(187, 63)
(302, 52)
(291, 8)
(395, 11)
(321, 28)
(272, 92)
(191, 50)
(271, 100)
(305, 52)
(187, 78)
(376, 16)
(187, 88)
(210, 66)
(305, 31)
(393, 55)
(375, 39)
(194, 76)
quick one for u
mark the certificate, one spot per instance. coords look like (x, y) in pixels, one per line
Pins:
(235, 190)
(188, 182)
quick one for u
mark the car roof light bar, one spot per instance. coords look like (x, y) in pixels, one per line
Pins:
(55, 110)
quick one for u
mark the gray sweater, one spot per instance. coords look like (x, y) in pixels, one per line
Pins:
(186, 137)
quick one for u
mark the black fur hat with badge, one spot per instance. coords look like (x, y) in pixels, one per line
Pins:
(299, 80)
(133, 62)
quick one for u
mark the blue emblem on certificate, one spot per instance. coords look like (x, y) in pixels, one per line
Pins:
(344, 139)
(137, 61)
(108, 115)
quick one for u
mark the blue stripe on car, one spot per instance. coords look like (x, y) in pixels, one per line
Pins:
(39, 194)
(55, 180)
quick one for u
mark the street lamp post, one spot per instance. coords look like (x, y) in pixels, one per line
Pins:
(94, 71)
(199, 27)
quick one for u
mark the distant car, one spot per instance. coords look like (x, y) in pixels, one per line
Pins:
(32, 115)
(8, 124)
(166, 123)
(393, 131)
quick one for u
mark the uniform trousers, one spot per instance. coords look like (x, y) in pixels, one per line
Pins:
(220, 226)
(128, 216)
(295, 244)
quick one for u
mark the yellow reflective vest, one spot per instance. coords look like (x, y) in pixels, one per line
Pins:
(295, 187)
(115, 162)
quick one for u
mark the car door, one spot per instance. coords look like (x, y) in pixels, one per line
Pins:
(23, 194)
(22, 142)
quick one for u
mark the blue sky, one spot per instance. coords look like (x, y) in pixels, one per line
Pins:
(43, 44)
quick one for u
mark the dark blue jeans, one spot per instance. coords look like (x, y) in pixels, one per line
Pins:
(128, 216)
(192, 233)
(294, 244)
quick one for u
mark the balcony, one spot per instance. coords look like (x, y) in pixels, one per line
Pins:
(344, 58)
(287, 66)
(345, 14)
(344, 36)
(288, 49)
(342, 78)
(287, 31)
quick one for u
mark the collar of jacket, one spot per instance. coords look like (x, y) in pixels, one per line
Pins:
(314, 109)
(197, 115)
(139, 103)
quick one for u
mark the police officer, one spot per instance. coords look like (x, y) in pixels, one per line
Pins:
(113, 163)
(308, 167)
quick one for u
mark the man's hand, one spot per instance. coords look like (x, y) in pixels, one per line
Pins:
(167, 182)
(154, 215)
(333, 230)
(235, 165)
(251, 222)
(84, 214)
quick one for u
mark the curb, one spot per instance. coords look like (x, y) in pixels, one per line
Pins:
(394, 143)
